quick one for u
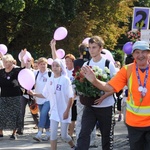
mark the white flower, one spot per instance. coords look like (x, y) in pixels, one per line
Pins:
(105, 76)
(96, 74)
(100, 72)
(106, 70)
(95, 68)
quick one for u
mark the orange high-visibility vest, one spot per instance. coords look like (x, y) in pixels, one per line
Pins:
(137, 108)
(137, 111)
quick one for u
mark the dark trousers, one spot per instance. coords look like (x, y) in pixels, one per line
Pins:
(139, 138)
(24, 102)
(89, 119)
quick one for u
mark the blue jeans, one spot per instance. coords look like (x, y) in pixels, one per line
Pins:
(44, 121)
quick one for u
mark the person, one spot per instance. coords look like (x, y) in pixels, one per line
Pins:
(41, 76)
(69, 59)
(35, 65)
(137, 77)
(117, 65)
(118, 96)
(10, 100)
(78, 63)
(25, 99)
(58, 90)
(103, 106)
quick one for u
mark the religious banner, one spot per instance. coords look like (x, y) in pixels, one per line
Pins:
(140, 16)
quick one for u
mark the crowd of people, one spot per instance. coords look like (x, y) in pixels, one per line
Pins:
(59, 102)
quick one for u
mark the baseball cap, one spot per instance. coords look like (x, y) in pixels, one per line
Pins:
(141, 45)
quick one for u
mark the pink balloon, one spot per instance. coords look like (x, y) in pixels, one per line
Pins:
(60, 33)
(50, 61)
(86, 40)
(60, 53)
(26, 79)
(25, 57)
(3, 49)
(108, 55)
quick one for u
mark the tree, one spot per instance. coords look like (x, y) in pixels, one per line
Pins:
(108, 19)
(31, 24)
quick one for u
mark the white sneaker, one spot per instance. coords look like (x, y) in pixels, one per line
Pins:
(46, 138)
(37, 138)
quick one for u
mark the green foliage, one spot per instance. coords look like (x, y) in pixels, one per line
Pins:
(12, 6)
(119, 55)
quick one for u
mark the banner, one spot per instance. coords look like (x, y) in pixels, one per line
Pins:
(145, 35)
(141, 14)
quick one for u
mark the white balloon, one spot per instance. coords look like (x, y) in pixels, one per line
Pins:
(50, 61)
(3, 49)
(108, 55)
(86, 40)
(25, 57)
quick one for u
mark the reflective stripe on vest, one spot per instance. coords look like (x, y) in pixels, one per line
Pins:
(138, 110)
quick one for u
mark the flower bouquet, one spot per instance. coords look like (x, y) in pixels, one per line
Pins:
(134, 35)
(87, 91)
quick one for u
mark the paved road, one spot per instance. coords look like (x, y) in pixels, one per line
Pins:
(26, 141)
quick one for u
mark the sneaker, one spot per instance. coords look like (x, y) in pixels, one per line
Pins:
(13, 137)
(35, 127)
(37, 138)
(46, 138)
(119, 118)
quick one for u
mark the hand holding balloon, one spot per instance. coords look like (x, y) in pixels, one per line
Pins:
(25, 55)
(22, 53)
(30, 92)
(53, 44)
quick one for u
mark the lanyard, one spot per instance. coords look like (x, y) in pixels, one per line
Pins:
(141, 88)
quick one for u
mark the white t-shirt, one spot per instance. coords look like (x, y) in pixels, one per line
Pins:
(69, 74)
(109, 101)
(40, 82)
(58, 91)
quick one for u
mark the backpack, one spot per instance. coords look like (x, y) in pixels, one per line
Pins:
(49, 74)
(107, 62)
